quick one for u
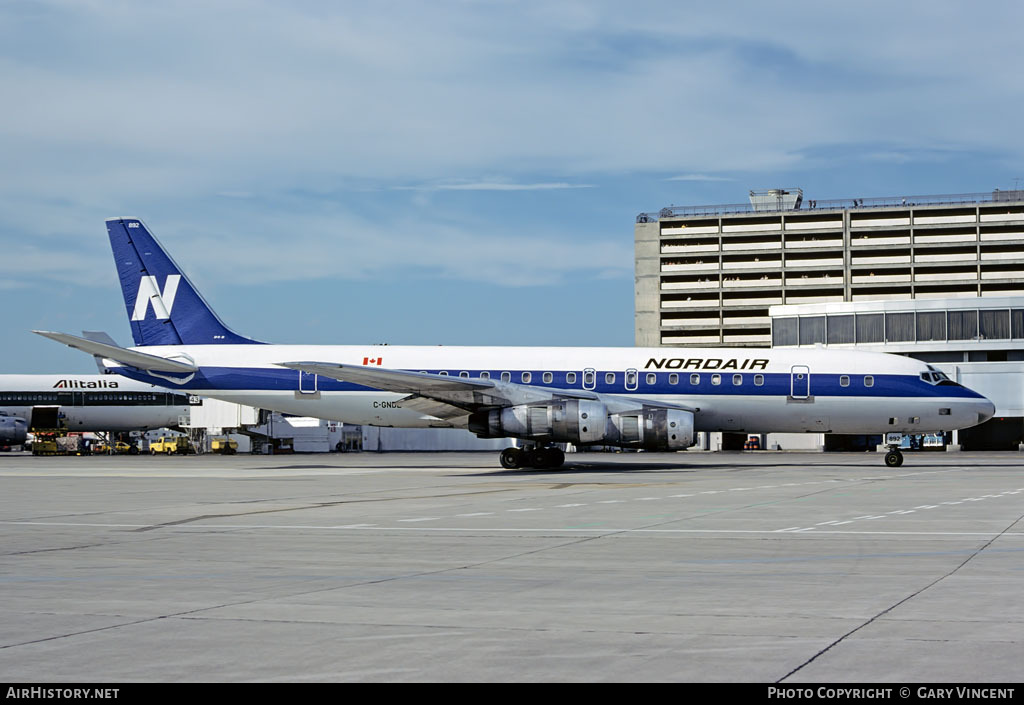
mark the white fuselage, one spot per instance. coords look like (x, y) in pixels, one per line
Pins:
(729, 389)
(91, 402)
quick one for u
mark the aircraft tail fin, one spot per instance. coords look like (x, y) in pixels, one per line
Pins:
(163, 306)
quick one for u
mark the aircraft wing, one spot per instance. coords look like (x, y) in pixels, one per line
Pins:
(447, 397)
(132, 358)
(459, 392)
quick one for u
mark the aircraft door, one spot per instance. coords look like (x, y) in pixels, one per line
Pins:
(307, 383)
(45, 418)
(800, 382)
(631, 379)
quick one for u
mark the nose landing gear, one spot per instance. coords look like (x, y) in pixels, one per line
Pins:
(894, 458)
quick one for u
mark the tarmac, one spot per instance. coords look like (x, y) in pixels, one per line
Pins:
(765, 567)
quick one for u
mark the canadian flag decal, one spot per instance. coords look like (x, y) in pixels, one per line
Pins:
(378, 361)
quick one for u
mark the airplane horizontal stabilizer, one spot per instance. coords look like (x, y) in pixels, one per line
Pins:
(142, 361)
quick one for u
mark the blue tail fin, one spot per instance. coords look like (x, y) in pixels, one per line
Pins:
(163, 306)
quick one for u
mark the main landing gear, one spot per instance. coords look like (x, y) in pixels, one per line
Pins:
(539, 458)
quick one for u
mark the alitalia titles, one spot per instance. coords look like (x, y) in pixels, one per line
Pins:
(83, 384)
(705, 363)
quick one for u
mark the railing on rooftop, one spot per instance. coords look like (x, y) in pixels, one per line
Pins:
(813, 206)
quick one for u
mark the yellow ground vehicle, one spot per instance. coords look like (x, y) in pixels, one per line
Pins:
(129, 448)
(57, 442)
(119, 448)
(45, 443)
(225, 446)
(170, 445)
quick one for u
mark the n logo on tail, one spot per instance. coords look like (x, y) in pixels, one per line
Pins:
(150, 278)
(149, 293)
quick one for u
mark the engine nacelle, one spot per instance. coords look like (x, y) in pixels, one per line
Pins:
(651, 428)
(558, 421)
(13, 430)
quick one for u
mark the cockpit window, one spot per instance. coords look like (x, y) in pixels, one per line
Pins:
(934, 377)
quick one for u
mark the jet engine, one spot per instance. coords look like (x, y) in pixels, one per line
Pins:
(13, 430)
(651, 428)
(578, 421)
(583, 422)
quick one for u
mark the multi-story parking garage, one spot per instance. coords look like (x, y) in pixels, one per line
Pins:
(940, 278)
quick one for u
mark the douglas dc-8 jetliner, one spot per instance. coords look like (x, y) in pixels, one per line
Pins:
(648, 398)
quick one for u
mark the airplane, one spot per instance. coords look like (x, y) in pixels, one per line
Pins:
(641, 398)
(77, 402)
(13, 431)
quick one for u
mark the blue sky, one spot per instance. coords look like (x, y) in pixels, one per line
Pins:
(456, 172)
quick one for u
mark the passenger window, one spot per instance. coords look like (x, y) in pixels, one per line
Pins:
(694, 379)
(443, 373)
(652, 378)
(609, 378)
(485, 375)
(464, 374)
(588, 379)
(548, 377)
(758, 380)
(526, 377)
(716, 379)
(844, 380)
(737, 380)
(869, 381)
(570, 378)
(506, 376)
(673, 378)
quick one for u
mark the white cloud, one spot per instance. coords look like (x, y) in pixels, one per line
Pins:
(412, 90)
(270, 248)
(248, 101)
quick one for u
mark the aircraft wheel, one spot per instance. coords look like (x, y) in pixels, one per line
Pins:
(893, 459)
(555, 458)
(511, 458)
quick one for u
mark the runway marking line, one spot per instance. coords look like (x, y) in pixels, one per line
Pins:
(610, 531)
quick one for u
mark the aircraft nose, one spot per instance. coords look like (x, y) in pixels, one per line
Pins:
(986, 410)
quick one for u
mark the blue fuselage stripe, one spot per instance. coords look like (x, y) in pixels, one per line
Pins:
(774, 384)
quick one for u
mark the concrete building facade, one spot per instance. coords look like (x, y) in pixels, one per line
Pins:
(708, 275)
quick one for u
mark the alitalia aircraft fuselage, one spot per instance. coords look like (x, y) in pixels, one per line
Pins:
(90, 402)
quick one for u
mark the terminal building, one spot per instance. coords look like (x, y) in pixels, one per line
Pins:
(938, 278)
